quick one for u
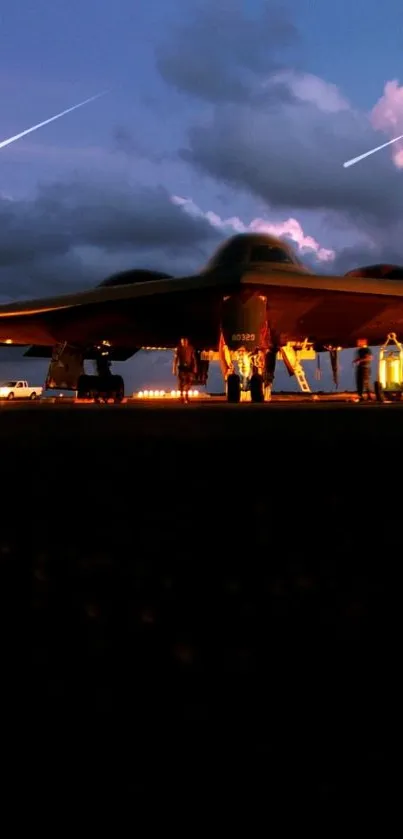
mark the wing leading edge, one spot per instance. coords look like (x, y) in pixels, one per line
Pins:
(31, 321)
(104, 294)
(113, 294)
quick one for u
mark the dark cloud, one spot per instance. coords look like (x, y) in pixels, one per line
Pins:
(291, 156)
(222, 53)
(287, 152)
(47, 274)
(42, 241)
(127, 143)
(359, 256)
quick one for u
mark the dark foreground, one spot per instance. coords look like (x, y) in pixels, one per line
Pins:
(211, 598)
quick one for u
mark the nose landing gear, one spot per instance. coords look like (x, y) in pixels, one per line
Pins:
(244, 373)
(233, 388)
(257, 388)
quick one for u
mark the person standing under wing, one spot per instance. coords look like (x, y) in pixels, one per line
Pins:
(184, 367)
(362, 363)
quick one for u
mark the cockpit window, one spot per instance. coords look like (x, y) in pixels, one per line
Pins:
(244, 248)
(266, 253)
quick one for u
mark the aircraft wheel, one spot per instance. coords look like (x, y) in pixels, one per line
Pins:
(112, 388)
(118, 389)
(233, 388)
(84, 386)
(119, 396)
(256, 388)
(101, 388)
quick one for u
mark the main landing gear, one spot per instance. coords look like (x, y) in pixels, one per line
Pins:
(102, 387)
(67, 372)
(248, 375)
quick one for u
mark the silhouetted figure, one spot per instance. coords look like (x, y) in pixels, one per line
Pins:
(334, 363)
(202, 368)
(362, 363)
(184, 367)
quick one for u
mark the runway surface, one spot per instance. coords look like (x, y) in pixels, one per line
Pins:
(129, 427)
(211, 586)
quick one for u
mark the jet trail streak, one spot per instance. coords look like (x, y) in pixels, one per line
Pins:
(367, 153)
(4, 143)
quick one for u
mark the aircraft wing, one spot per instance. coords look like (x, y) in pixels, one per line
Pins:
(365, 286)
(114, 294)
(31, 321)
(332, 310)
(106, 294)
(336, 308)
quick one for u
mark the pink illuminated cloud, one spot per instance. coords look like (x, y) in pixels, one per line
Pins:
(387, 116)
(290, 228)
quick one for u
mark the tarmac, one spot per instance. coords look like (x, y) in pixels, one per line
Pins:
(211, 585)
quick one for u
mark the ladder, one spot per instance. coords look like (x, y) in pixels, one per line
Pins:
(301, 378)
(294, 367)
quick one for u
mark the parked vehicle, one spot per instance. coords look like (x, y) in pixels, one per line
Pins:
(19, 389)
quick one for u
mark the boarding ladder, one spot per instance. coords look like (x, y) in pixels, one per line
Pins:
(301, 378)
(293, 364)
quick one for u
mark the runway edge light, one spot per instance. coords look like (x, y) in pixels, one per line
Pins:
(162, 394)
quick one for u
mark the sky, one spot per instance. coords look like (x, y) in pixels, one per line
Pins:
(221, 116)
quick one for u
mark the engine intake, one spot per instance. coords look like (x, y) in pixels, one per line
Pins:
(382, 272)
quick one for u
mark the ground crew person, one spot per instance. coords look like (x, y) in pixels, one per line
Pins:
(362, 363)
(184, 367)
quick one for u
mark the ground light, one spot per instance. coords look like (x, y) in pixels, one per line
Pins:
(163, 394)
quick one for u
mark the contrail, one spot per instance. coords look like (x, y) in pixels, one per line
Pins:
(4, 143)
(363, 156)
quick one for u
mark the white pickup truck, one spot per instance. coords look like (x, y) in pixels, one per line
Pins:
(19, 389)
